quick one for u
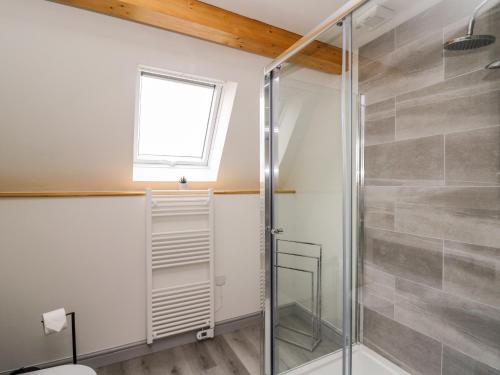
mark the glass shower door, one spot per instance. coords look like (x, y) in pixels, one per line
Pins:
(306, 226)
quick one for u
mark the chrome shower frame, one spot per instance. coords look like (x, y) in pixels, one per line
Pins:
(268, 181)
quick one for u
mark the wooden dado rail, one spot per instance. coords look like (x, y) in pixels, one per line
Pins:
(62, 194)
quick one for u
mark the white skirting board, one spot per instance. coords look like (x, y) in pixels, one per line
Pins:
(180, 263)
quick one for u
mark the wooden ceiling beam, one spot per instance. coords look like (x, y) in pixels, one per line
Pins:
(213, 24)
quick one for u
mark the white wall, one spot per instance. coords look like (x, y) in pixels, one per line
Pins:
(237, 235)
(67, 97)
(88, 255)
(67, 101)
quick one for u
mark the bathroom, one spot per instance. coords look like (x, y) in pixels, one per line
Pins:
(250, 187)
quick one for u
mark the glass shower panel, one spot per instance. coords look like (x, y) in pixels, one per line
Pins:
(430, 253)
(307, 235)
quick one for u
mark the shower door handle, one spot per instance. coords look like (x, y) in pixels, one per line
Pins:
(276, 231)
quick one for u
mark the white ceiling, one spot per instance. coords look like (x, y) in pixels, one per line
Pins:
(299, 16)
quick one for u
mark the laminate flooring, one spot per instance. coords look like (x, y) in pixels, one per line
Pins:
(234, 353)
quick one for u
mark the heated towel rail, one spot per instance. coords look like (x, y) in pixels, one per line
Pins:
(180, 263)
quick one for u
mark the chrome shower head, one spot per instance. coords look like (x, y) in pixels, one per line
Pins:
(493, 65)
(469, 42)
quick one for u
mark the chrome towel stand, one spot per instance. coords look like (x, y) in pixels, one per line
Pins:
(316, 319)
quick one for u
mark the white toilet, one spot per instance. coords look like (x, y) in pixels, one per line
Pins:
(66, 370)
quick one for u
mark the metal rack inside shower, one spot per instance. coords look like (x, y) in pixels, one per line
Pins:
(315, 256)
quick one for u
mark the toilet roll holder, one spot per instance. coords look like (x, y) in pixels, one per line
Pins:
(24, 370)
(73, 334)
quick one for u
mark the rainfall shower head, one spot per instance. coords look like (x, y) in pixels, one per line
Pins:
(470, 41)
(493, 65)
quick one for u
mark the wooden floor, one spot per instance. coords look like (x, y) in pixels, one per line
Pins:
(233, 353)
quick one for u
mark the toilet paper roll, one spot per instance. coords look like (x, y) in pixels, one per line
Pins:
(54, 321)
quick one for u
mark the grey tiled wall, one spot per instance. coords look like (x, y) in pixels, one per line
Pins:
(431, 293)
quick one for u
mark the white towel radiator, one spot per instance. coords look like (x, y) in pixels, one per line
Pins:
(180, 263)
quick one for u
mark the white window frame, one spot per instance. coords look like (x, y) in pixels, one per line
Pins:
(208, 169)
(171, 160)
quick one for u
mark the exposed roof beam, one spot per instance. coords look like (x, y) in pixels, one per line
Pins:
(208, 22)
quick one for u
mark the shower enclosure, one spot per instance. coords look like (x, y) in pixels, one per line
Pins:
(380, 186)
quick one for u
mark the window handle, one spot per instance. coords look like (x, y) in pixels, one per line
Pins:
(276, 231)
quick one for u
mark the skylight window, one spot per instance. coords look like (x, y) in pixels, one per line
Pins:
(181, 125)
(176, 119)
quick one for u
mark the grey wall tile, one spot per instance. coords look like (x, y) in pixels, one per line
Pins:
(380, 46)
(466, 102)
(380, 131)
(466, 214)
(480, 227)
(444, 117)
(383, 283)
(378, 208)
(485, 198)
(413, 257)
(432, 19)
(473, 272)
(381, 110)
(393, 182)
(379, 217)
(411, 67)
(475, 83)
(418, 307)
(380, 124)
(378, 304)
(382, 194)
(473, 157)
(428, 21)
(404, 174)
(468, 326)
(460, 62)
(378, 291)
(412, 161)
(413, 351)
(456, 363)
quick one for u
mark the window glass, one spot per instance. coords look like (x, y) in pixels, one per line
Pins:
(175, 119)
